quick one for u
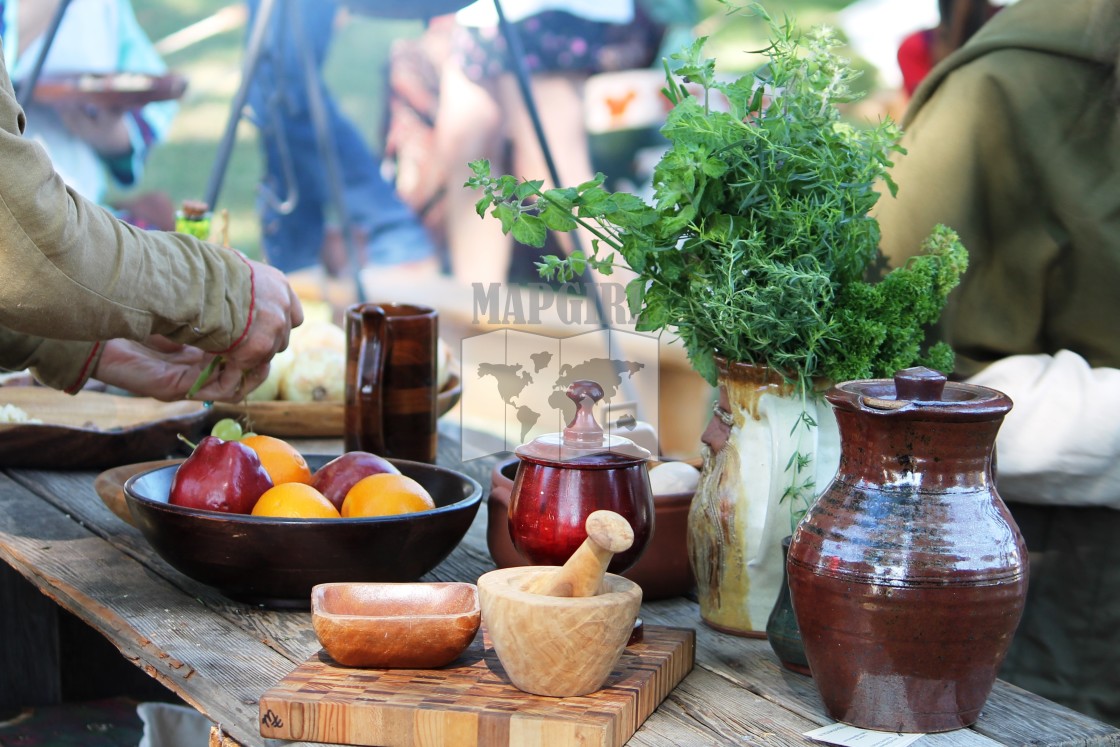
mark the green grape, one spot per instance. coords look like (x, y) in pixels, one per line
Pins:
(247, 434)
(226, 429)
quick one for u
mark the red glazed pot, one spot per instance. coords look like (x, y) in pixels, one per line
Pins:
(908, 575)
(566, 476)
(663, 571)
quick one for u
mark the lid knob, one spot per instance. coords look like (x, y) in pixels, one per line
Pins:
(583, 430)
(919, 384)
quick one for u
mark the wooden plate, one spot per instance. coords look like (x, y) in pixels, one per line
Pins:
(110, 484)
(93, 430)
(125, 90)
(310, 419)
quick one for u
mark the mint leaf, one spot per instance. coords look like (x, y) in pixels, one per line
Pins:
(528, 229)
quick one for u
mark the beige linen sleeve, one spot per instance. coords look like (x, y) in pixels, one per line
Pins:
(70, 270)
(1059, 445)
(60, 364)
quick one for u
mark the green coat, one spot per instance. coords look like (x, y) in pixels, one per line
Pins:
(71, 274)
(1014, 141)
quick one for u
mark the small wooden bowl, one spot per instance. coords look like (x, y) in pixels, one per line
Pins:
(557, 646)
(395, 626)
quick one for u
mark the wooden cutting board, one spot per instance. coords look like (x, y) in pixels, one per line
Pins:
(471, 703)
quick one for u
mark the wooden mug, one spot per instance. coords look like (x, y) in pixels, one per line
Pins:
(391, 397)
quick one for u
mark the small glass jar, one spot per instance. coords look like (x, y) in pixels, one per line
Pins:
(193, 218)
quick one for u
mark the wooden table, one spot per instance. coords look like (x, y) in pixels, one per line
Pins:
(220, 656)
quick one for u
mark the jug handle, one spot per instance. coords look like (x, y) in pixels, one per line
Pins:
(372, 356)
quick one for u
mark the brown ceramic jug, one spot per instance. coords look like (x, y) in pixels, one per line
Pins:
(908, 575)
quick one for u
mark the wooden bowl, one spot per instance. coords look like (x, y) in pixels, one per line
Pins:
(557, 646)
(311, 419)
(94, 430)
(118, 90)
(395, 626)
(276, 562)
(662, 571)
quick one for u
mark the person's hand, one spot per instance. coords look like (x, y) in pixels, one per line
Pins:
(166, 371)
(102, 127)
(276, 309)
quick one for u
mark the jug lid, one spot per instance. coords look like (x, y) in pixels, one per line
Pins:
(583, 443)
(920, 393)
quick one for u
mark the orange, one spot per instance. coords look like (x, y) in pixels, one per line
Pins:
(294, 500)
(280, 459)
(385, 494)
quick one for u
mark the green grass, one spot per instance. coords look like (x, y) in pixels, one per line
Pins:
(182, 165)
(355, 73)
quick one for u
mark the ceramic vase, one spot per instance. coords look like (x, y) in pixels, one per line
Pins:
(908, 576)
(782, 632)
(766, 452)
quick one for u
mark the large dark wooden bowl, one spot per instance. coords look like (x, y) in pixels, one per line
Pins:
(275, 562)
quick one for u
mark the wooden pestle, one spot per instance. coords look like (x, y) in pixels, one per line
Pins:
(607, 533)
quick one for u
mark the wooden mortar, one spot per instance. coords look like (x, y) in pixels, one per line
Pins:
(565, 641)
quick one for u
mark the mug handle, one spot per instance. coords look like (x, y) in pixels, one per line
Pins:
(373, 353)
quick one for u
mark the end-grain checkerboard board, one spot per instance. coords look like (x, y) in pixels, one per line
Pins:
(471, 701)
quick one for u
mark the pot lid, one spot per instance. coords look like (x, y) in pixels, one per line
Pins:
(582, 442)
(920, 393)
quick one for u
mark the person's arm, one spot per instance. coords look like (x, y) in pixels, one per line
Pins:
(155, 368)
(1060, 444)
(70, 270)
(164, 370)
(60, 364)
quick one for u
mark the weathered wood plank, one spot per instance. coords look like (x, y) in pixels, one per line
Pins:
(710, 705)
(1014, 716)
(29, 645)
(729, 698)
(752, 665)
(287, 632)
(170, 636)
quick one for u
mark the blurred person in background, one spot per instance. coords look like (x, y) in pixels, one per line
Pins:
(481, 109)
(92, 145)
(923, 49)
(1014, 142)
(296, 237)
(83, 294)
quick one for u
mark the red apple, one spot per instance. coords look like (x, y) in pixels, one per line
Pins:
(220, 476)
(335, 478)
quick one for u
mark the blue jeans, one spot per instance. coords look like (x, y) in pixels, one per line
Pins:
(278, 97)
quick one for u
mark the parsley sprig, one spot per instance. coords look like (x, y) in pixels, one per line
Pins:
(759, 234)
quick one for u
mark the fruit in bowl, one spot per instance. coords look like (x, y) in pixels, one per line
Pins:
(220, 476)
(246, 473)
(335, 478)
(275, 561)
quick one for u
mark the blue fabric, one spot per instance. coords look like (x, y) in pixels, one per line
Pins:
(97, 36)
(292, 241)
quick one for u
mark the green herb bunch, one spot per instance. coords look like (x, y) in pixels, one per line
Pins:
(759, 236)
